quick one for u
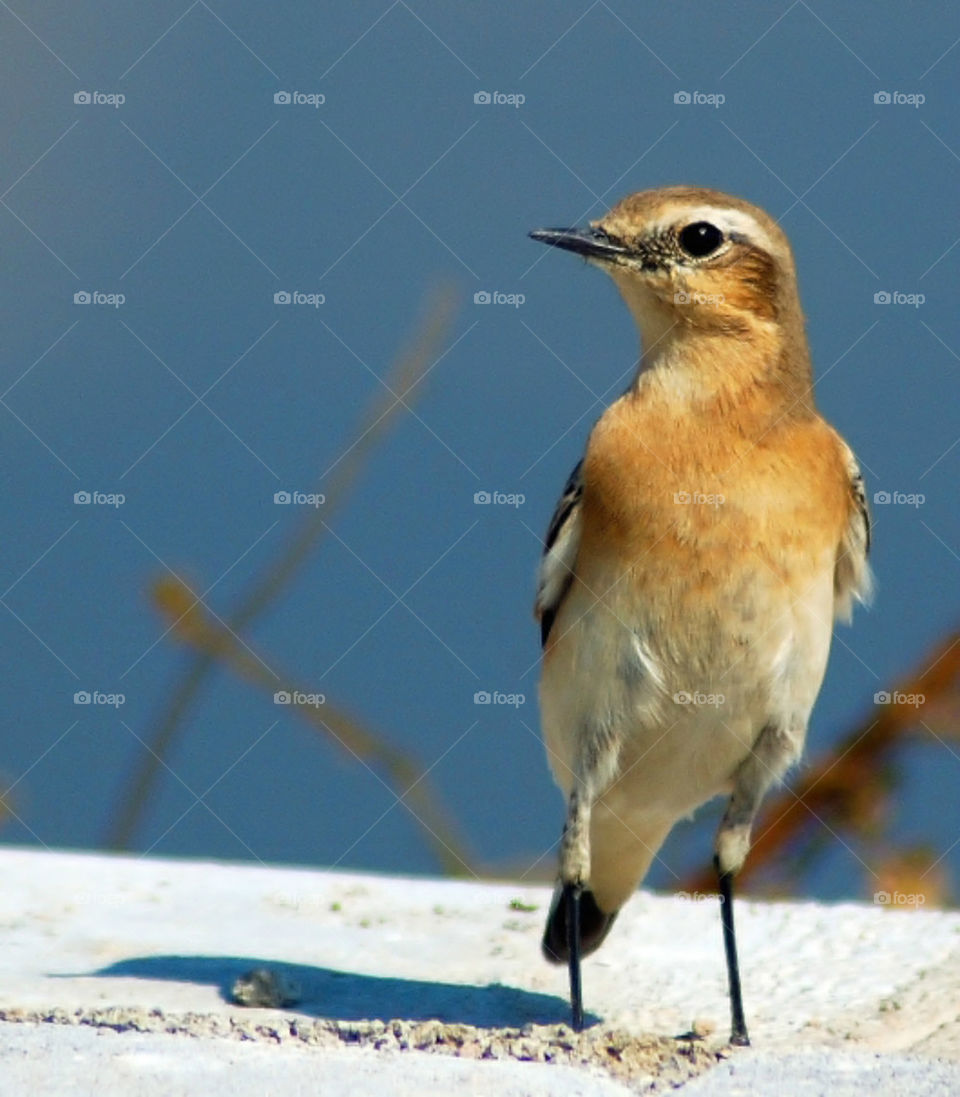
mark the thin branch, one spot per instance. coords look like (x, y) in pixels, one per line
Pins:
(193, 626)
(410, 368)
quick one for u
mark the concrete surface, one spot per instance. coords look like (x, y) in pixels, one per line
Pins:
(116, 975)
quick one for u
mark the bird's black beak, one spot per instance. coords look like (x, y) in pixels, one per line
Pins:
(590, 243)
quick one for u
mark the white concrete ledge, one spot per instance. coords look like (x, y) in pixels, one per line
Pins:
(122, 969)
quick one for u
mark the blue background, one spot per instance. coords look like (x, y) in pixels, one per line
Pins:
(199, 198)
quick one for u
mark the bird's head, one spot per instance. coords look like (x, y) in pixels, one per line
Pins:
(695, 265)
(690, 257)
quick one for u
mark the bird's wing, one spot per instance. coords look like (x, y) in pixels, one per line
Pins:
(559, 553)
(851, 576)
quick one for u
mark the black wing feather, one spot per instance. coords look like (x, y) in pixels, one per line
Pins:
(564, 512)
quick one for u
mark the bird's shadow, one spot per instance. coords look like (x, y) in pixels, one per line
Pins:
(349, 996)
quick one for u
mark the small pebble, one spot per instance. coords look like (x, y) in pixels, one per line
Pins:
(265, 988)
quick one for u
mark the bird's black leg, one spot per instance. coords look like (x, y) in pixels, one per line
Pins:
(738, 1026)
(571, 897)
(774, 749)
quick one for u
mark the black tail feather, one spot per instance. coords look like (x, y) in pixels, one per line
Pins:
(594, 926)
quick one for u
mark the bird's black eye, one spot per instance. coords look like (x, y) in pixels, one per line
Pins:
(700, 239)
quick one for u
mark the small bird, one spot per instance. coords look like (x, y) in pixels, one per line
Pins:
(691, 574)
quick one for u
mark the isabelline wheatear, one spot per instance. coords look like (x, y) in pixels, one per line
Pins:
(696, 561)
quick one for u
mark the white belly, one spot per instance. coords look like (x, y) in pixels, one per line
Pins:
(665, 718)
